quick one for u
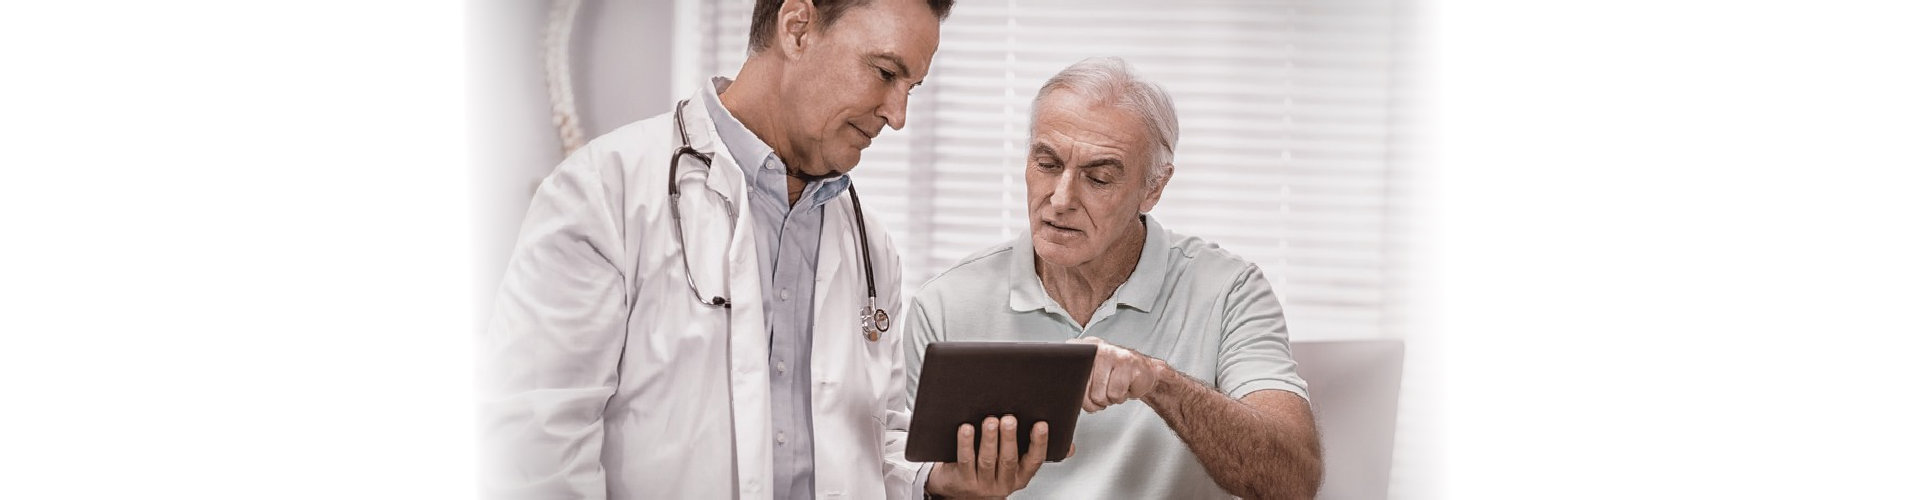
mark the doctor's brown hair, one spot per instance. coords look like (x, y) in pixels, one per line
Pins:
(764, 12)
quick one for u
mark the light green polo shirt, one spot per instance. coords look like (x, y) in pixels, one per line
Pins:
(1209, 313)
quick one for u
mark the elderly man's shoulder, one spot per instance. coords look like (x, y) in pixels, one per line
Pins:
(1194, 257)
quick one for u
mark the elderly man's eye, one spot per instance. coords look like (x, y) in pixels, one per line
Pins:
(1046, 165)
(887, 76)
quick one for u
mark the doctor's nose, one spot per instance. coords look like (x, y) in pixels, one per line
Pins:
(894, 109)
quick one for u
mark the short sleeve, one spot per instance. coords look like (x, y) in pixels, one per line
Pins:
(1254, 351)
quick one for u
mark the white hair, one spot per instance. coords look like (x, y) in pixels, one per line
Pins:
(1112, 80)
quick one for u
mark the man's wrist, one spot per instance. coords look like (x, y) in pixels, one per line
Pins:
(1166, 382)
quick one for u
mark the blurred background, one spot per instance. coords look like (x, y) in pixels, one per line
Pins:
(1641, 249)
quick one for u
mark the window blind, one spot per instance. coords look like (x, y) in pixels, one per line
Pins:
(1287, 116)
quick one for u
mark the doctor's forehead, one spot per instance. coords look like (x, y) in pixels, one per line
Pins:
(907, 30)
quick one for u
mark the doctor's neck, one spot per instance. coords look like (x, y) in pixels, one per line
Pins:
(754, 99)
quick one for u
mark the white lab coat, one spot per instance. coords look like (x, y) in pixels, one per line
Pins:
(603, 378)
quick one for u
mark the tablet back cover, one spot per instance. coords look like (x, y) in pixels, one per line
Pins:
(964, 382)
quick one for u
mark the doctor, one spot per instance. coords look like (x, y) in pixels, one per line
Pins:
(699, 307)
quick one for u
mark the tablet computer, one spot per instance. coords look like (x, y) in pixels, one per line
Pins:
(964, 382)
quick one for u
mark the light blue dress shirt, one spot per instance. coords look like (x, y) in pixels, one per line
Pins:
(788, 240)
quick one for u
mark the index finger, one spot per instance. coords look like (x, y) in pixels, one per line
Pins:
(1036, 450)
(1096, 397)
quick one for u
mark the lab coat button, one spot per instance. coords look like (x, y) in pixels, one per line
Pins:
(783, 294)
(780, 438)
(780, 367)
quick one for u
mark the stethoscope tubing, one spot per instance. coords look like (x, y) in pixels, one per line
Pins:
(876, 319)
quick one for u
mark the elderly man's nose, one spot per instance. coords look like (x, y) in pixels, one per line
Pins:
(1063, 193)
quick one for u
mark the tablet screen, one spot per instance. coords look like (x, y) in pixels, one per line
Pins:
(965, 382)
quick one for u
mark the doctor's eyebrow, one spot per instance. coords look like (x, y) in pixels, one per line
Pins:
(899, 64)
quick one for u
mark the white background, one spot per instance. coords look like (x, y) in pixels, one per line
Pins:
(1669, 248)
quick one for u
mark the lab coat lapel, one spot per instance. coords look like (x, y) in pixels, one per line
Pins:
(836, 317)
(834, 314)
(747, 340)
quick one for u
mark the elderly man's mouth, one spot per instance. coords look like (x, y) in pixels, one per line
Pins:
(1058, 227)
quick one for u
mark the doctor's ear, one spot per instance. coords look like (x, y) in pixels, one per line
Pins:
(796, 17)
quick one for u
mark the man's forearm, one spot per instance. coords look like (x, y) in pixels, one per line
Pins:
(1252, 452)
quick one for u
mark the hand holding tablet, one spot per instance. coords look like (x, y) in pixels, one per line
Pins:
(991, 412)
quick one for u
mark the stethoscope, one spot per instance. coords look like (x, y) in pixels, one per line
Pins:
(873, 319)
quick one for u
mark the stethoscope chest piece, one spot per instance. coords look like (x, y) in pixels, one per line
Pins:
(874, 321)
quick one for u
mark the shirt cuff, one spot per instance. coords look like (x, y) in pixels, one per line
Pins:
(920, 479)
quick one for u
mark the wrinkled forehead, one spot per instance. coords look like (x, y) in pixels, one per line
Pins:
(1075, 114)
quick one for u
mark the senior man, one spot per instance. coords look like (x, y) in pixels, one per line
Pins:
(1193, 331)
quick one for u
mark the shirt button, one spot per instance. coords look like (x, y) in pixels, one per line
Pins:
(780, 438)
(784, 294)
(780, 367)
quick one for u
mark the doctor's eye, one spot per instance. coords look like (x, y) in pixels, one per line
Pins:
(886, 75)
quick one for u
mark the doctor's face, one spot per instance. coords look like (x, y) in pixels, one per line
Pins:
(1087, 179)
(850, 80)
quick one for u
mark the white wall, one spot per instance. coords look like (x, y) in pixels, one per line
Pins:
(620, 54)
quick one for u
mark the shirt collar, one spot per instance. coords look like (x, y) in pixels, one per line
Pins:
(765, 171)
(1140, 291)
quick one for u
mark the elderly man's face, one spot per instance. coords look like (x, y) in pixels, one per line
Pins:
(1087, 179)
(852, 79)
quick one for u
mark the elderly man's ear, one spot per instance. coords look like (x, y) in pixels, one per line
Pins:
(1153, 192)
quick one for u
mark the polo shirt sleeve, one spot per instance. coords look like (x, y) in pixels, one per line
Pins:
(1254, 351)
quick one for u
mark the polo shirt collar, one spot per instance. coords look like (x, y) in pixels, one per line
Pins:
(1140, 291)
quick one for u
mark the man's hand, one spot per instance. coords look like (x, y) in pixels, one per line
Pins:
(1119, 374)
(995, 471)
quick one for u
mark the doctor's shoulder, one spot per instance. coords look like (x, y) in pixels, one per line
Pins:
(621, 160)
